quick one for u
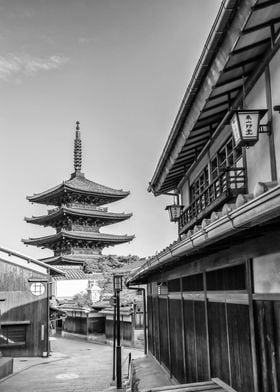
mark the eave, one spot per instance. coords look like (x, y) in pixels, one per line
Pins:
(236, 52)
(79, 185)
(104, 216)
(94, 237)
(257, 212)
(52, 270)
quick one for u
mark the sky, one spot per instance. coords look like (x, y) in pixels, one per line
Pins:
(121, 68)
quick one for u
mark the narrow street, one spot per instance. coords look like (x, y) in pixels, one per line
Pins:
(81, 367)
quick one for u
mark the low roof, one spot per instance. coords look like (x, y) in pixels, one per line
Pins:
(20, 256)
(80, 185)
(72, 274)
(250, 220)
(232, 60)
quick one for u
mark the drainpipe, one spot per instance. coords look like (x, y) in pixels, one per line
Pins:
(144, 313)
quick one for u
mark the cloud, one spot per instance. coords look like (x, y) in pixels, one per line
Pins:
(14, 65)
(87, 40)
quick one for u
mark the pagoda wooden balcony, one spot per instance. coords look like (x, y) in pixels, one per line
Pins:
(225, 187)
(86, 207)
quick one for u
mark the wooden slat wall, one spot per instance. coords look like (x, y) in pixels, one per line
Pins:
(239, 347)
(268, 341)
(125, 327)
(150, 324)
(219, 358)
(229, 340)
(21, 305)
(201, 341)
(163, 332)
(190, 342)
(176, 340)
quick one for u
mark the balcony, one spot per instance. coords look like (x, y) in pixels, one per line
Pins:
(226, 187)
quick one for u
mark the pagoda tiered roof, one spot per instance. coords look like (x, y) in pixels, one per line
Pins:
(79, 185)
(78, 216)
(70, 259)
(94, 237)
(99, 214)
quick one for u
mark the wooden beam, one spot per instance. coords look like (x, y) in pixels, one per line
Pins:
(261, 26)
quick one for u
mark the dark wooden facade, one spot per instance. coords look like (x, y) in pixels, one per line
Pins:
(213, 322)
(24, 316)
(214, 293)
(84, 323)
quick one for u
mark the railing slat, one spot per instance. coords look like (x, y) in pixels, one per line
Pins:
(230, 179)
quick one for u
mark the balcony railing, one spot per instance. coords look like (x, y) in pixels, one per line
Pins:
(227, 185)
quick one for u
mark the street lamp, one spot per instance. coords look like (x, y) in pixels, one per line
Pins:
(174, 211)
(117, 282)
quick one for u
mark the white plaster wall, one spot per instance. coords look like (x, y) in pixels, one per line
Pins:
(68, 288)
(267, 273)
(258, 156)
(185, 196)
(275, 87)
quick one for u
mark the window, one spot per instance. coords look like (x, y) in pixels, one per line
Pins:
(174, 285)
(200, 184)
(226, 157)
(192, 283)
(12, 334)
(37, 288)
(231, 278)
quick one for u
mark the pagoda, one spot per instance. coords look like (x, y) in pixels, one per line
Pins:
(77, 217)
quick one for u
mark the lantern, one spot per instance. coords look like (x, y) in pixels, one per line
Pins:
(117, 281)
(174, 211)
(245, 126)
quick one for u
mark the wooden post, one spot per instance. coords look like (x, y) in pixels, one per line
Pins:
(252, 324)
(114, 339)
(183, 331)
(144, 322)
(168, 336)
(206, 324)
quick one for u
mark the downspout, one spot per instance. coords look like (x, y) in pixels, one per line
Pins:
(144, 313)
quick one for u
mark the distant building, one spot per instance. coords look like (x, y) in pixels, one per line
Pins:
(214, 293)
(78, 218)
(74, 281)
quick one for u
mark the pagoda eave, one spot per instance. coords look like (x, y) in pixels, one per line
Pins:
(50, 219)
(92, 237)
(79, 185)
(64, 260)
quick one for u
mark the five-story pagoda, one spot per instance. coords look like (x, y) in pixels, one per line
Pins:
(77, 217)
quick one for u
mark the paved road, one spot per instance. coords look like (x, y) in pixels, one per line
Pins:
(87, 367)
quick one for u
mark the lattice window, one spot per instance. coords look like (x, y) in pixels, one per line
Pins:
(226, 157)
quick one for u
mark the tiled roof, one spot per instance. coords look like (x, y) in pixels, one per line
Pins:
(79, 235)
(66, 260)
(108, 217)
(83, 184)
(249, 210)
(130, 267)
(78, 183)
(72, 274)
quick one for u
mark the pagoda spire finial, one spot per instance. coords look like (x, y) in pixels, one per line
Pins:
(78, 149)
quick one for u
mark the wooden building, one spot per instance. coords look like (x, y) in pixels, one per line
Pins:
(24, 304)
(83, 321)
(214, 293)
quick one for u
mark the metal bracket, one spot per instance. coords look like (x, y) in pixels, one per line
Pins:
(265, 128)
